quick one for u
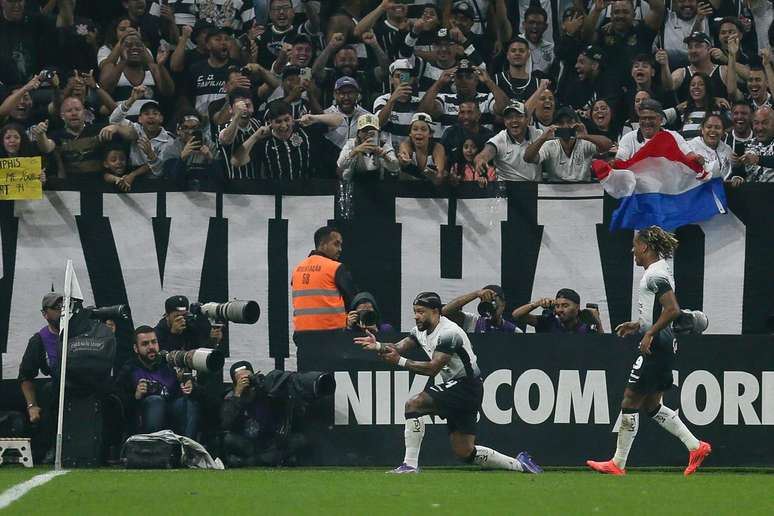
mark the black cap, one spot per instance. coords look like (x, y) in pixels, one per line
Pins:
(442, 35)
(290, 71)
(593, 52)
(428, 300)
(149, 104)
(201, 25)
(51, 299)
(236, 366)
(565, 112)
(497, 289)
(569, 294)
(462, 8)
(698, 36)
(215, 30)
(175, 302)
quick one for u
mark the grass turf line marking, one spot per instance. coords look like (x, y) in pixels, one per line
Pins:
(13, 493)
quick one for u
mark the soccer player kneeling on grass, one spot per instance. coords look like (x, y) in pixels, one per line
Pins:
(458, 398)
(651, 373)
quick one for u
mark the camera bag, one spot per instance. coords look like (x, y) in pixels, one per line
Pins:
(82, 432)
(152, 453)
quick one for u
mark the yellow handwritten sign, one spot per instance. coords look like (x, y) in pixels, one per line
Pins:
(20, 179)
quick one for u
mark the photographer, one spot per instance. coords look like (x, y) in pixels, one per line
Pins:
(178, 330)
(490, 311)
(157, 396)
(42, 355)
(561, 315)
(246, 421)
(364, 315)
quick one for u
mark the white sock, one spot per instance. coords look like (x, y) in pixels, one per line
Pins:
(626, 433)
(414, 432)
(488, 458)
(670, 421)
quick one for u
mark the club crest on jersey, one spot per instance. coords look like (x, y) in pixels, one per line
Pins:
(296, 140)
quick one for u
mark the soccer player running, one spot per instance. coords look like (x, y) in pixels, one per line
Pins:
(651, 373)
(457, 399)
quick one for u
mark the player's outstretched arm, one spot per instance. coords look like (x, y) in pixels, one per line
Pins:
(369, 343)
(431, 368)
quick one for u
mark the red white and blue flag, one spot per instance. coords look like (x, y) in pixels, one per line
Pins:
(661, 186)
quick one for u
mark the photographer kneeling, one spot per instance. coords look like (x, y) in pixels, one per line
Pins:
(490, 311)
(248, 426)
(156, 395)
(561, 315)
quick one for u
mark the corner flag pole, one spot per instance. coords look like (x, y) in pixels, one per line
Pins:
(72, 290)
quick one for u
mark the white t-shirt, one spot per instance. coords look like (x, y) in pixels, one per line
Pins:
(558, 166)
(717, 161)
(630, 143)
(449, 338)
(509, 160)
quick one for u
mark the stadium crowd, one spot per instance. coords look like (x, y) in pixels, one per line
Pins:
(198, 93)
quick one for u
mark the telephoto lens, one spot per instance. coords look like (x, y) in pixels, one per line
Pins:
(237, 311)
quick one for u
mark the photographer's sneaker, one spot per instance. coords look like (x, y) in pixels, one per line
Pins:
(403, 469)
(528, 464)
(697, 457)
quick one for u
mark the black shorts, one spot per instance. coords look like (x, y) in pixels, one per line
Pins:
(653, 373)
(458, 401)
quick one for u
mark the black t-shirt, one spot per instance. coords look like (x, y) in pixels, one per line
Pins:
(271, 41)
(207, 83)
(390, 39)
(27, 47)
(620, 49)
(81, 154)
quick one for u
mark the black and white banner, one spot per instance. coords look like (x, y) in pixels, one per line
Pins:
(533, 239)
(557, 398)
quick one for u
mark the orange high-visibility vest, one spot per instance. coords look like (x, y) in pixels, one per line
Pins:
(317, 303)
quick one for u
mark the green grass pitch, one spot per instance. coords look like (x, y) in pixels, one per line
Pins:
(370, 492)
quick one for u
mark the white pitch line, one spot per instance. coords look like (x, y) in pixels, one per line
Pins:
(12, 494)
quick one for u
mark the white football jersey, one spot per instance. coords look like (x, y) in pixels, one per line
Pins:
(449, 338)
(654, 283)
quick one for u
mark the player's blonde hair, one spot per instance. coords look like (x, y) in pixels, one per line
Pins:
(662, 242)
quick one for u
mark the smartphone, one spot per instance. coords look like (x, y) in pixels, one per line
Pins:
(197, 135)
(306, 74)
(565, 132)
(405, 77)
(375, 140)
(739, 148)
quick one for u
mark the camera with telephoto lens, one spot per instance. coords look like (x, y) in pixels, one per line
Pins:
(203, 360)
(237, 311)
(109, 313)
(367, 317)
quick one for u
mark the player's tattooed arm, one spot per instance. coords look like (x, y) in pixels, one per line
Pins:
(369, 343)
(431, 368)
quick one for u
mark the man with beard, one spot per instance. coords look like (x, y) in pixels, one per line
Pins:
(590, 83)
(282, 30)
(741, 132)
(207, 79)
(651, 118)
(560, 315)
(458, 399)
(515, 80)
(346, 103)
(285, 147)
(445, 106)
(622, 38)
(507, 147)
(685, 17)
(490, 311)
(157, 397)
(700, 61)
(345, 64)
(758, 87)
(468, 126)
(758, 158)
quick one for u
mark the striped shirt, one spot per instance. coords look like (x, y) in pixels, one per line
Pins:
(289, 159)
(450, 108)
(251, 169)
(692, 124)
(400, 117)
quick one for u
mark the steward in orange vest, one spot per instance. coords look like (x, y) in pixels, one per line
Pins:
(321, 286)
